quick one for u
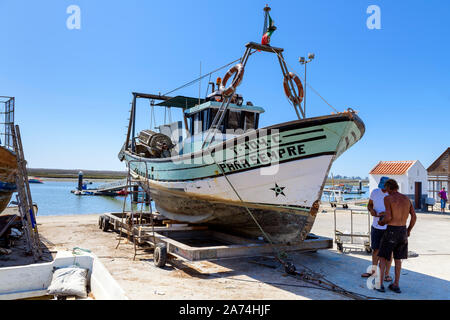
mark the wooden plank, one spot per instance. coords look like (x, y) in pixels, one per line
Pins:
(257, 46)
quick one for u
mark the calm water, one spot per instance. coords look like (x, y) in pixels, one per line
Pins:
(55, 198)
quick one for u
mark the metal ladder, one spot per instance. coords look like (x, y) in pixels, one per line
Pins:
(25, 202)
(134, 215)
(218, 119)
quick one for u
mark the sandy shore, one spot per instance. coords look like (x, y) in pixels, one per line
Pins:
(424, 277)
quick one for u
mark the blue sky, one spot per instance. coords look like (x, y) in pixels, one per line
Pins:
(73, 87)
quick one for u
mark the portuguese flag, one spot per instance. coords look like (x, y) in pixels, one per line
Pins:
(270, 29)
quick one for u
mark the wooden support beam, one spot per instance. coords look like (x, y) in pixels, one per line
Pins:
(257, 46)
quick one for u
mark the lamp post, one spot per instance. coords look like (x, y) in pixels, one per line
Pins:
(303, 61)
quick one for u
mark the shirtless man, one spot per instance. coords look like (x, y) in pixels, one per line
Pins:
(377, 209)
(395, 239)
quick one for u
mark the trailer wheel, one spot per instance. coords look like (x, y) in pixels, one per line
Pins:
(105, 225)
(160, 255)
(100, 222)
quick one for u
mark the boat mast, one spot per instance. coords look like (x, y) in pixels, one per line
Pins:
(266, 13)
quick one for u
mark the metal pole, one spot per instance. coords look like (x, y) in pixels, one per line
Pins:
(133, 130)
(335, 225)
(304, 95)
(266, 11)
(351, 225)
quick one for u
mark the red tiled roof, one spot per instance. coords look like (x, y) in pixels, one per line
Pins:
(392, 167)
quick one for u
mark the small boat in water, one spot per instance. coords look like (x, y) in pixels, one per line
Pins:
(34, 180)
(8, 160)
(228, 173)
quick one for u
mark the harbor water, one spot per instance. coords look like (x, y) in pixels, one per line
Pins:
(54, 198)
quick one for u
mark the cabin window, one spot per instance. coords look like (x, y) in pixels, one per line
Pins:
(234, 120)
(249, 121)
(197, 123)
(191, 125)
(205, 114)
(212, 114)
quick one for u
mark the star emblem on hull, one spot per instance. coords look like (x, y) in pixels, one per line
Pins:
(278, 190)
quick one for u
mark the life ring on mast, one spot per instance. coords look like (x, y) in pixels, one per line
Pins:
(288, 92)
(239, 70)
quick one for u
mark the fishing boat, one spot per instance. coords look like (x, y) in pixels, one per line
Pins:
(8, 161)
(227, 172)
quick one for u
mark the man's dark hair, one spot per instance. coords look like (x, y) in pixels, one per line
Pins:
(391, 184)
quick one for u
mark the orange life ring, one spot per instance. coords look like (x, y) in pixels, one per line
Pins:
(288, 92)
(239, 69)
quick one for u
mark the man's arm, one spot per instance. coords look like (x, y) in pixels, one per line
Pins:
(370, 208)
(388, 213)
(412, 222)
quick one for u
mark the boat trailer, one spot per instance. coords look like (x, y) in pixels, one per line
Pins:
(171, 239)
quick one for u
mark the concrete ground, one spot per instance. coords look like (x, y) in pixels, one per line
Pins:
(426, 276)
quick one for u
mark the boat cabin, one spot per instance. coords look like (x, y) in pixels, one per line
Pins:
(237, 117)
(198, 117)
(200, 113)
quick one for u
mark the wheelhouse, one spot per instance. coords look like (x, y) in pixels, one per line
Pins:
(237, 117)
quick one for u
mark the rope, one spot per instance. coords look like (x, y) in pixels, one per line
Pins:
(290, 269)
(201, 77)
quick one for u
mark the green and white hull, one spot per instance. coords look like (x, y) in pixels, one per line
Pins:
(277, 172)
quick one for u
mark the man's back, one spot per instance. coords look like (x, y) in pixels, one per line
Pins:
(400, 206)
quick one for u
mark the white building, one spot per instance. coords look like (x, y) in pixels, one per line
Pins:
(411, 177)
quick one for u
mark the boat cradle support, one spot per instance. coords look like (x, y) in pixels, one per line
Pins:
(198, 242)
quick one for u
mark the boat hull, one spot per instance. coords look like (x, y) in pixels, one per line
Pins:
(279, 185)
(8, 170)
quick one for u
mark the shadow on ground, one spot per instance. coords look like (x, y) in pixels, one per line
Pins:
(342, 269)
(20, 255)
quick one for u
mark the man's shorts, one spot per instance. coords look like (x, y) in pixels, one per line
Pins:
(443, 203)
(395, 240)
(375, 237)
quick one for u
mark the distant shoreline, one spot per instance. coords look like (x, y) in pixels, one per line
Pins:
(73, 174)
(68, 174)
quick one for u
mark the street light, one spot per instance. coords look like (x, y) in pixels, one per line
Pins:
(303, 61)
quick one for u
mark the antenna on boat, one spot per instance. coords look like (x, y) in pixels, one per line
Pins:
(200, 83)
